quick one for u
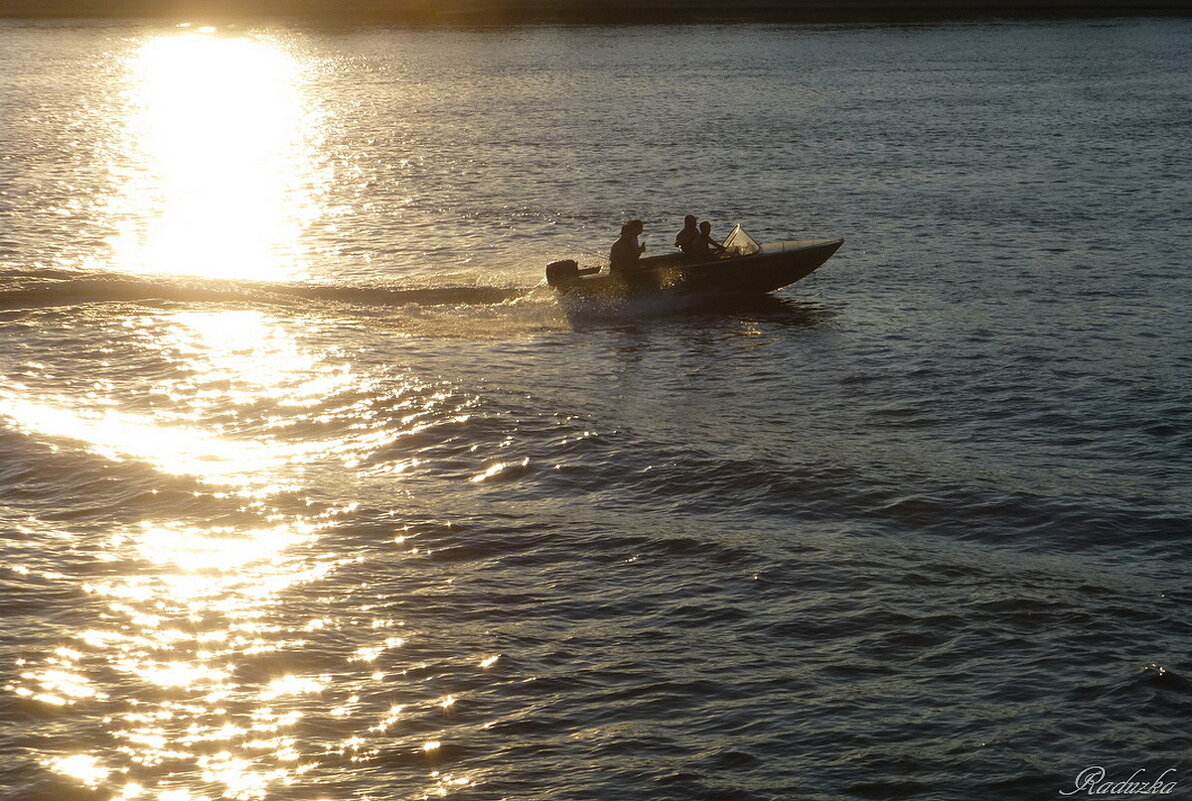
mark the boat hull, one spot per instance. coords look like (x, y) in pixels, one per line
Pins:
(774, 266)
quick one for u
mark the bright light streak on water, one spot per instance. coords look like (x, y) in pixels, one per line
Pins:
(218, 362)
(216, 182)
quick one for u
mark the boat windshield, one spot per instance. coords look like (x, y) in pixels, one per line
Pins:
(739, 243)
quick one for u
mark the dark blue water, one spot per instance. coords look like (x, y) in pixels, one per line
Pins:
(309, 489)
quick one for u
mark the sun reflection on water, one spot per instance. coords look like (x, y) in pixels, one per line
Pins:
(188, 656)
(218, 178)
(116, 435)
(180, 629)
(208, 682)
(224, 362)
(86, 769)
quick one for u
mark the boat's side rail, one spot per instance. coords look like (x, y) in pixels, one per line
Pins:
(798, 244)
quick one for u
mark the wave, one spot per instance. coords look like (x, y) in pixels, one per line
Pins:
(879, 497)
(41, 288)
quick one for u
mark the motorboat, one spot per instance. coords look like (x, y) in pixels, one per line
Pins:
(743, 268)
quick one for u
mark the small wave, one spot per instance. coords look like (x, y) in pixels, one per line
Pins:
(969, 510)
(41, 288)
(1152, 687)
(430, 296)
(1159, 680)
(71, 292)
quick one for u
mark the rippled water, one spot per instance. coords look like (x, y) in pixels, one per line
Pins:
(309, 490)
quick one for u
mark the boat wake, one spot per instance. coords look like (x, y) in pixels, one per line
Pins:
(459, 310)
(46, 287)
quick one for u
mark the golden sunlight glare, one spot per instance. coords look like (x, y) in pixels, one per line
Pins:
(215, 175)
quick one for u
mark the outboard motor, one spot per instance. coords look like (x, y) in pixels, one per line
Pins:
(559, 273)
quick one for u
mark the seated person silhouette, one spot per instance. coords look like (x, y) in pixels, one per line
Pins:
(688, 239)
(709, 244)
(626, 250)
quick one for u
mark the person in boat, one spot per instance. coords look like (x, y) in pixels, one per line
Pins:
(626, 250)
(688, 238)
(710, 245)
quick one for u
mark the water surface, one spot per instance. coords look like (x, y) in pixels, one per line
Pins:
(311, 490)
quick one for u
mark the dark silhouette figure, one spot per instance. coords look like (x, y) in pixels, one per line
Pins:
(626, 250)
(710, 245)
(688, 239)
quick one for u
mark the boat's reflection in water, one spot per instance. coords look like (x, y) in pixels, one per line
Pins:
(770, 309)
(589, 314)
